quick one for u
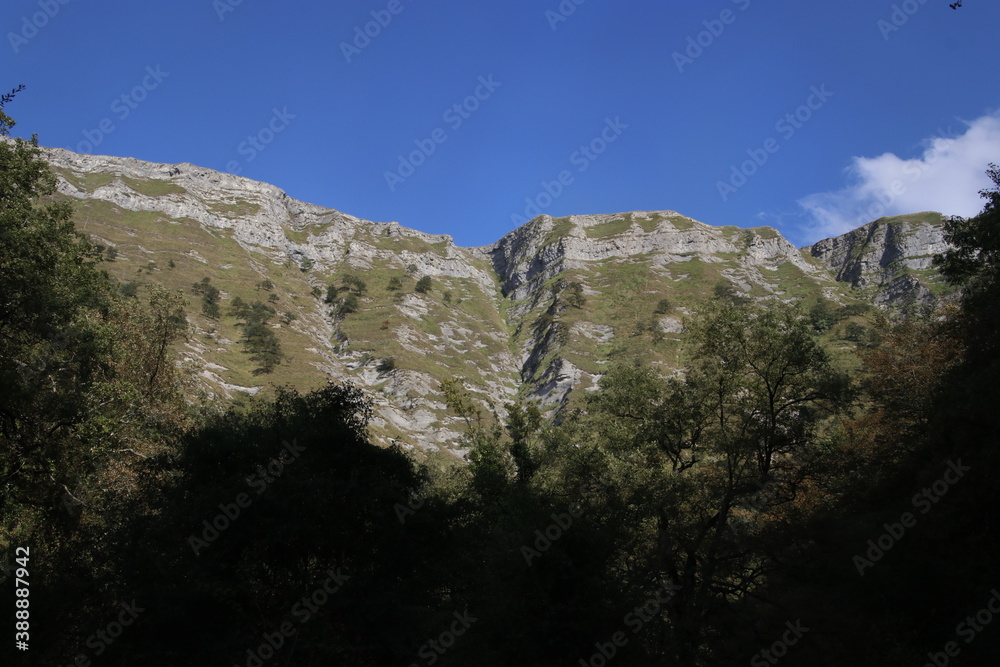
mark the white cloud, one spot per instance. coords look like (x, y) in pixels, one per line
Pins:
(946, 177)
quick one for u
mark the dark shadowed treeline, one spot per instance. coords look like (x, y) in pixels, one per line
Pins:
(766, 506)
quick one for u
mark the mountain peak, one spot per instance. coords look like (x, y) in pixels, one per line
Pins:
(540, 313)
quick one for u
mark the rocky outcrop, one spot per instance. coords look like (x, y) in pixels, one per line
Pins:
(497, 317)
(890, 259)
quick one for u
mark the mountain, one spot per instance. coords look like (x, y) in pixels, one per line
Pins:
(889, 260)
(538, 315)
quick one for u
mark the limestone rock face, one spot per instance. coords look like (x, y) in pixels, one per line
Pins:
(542, 313)
(890, 258)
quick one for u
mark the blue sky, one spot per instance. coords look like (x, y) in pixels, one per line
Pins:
(563, 108)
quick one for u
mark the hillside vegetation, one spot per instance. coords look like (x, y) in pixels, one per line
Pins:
(805, 480)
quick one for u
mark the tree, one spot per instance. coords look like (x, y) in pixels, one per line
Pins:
(395, 284)
(771, 379)
(973, 264)
(258, 339)
(50, 306)
(854, 332)
(663, 307)
(350, 304)
(706, 460)
(576, 297)
(424, 285)
(822, 316)
(209, 297)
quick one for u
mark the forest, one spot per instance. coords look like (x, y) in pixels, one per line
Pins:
(766, 506)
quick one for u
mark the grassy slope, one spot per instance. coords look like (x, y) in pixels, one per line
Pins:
(458, 336)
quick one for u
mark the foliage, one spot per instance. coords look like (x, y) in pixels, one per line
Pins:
(349, 304)
(746, 487)
(209, 297)
(822, 316)
(575, 296)
(258, 338)
(423, 285)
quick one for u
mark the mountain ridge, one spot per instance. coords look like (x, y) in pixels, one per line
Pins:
(538, 314)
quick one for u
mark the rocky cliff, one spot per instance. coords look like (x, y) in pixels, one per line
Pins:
(890, 260)
(540, 314)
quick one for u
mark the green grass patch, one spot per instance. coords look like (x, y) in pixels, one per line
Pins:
(610, 228)
(681, 223)
(561, 227)
(85, 181)
(153, 187)
(241, 208)
(651, 223)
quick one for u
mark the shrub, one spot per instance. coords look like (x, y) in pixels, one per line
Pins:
(856, 333)
(822, 316)
(209, 297)
(350, 304)
(575, 297)
(424, 285)
(352, 282)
